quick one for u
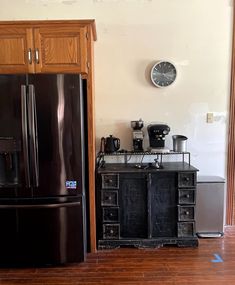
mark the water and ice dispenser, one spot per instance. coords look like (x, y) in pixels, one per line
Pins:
(9, 161)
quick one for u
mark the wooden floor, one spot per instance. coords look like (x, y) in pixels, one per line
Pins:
(213, 262)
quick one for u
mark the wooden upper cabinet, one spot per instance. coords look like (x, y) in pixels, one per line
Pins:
(60, 49)
(45, 46)
(15, 49)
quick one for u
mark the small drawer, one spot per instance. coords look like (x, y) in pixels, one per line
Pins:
(109, 198)
(110, 214)
(186, 196)
(187, 179)
(186, 213)
(186, 229)
(111, 231)
(110, 181)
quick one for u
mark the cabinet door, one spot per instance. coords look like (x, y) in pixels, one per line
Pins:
(60, 49)
(163, 197)
(133, 206)
(16, 47)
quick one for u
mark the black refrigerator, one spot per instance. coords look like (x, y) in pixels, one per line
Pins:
(42, 169)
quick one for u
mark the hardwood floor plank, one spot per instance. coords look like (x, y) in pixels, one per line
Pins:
(164, 266)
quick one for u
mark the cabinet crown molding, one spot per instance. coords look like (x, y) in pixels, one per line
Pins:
(40, 23)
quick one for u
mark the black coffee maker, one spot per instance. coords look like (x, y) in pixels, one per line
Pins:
(157, 133)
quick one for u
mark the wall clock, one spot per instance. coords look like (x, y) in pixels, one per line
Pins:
(163, 73)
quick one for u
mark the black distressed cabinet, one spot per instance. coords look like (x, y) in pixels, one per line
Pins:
(134, 199)
(146, 207)
(162, 204)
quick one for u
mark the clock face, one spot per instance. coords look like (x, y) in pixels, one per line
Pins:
(163, 74)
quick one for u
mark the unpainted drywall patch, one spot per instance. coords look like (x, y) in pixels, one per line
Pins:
(69, 2)
(120, 1)
(45, 2)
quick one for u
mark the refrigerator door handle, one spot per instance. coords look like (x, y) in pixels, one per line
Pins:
(41, 206)
(25, 135)
(33, 136)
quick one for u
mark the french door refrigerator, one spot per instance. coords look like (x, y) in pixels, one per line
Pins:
(42, 165)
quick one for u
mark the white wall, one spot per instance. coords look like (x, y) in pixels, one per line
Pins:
(133, 34)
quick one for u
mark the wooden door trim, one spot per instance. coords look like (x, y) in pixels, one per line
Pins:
(230, 210)
(91, 140)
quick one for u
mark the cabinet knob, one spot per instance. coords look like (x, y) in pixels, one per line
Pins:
(187, 196)
(108, 198)
(111, 231)
(111, 214)
(187, 213)
(186, 178)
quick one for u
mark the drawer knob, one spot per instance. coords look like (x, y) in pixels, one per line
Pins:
(186, 179)
(111, 231)
(187, 213)
(111, 214)
(108, 198)
(187, 196)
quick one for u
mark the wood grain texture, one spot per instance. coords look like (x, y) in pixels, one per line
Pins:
(41, 23)
(230, 215)
(61, 49)
(61, 46)
(91, 136)
(163, 266)
(15, 43)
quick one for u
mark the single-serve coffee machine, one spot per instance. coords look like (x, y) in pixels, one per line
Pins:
(138, 135)
(157, 133)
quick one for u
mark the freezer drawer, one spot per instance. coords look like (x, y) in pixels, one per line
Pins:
(210, 206)
(46, 234)
(9, 235)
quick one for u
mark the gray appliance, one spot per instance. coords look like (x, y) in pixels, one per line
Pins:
(210, 206)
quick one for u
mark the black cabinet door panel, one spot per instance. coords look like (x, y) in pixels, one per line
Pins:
(133, 205)
(163, 204)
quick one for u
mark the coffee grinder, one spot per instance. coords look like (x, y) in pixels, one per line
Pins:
(157, 133)
(138, 135)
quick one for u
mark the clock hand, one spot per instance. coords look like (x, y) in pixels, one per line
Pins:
(170, 76)
(169, 72)
(165, 75)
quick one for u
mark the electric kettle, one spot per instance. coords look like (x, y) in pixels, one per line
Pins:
(110, 144)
